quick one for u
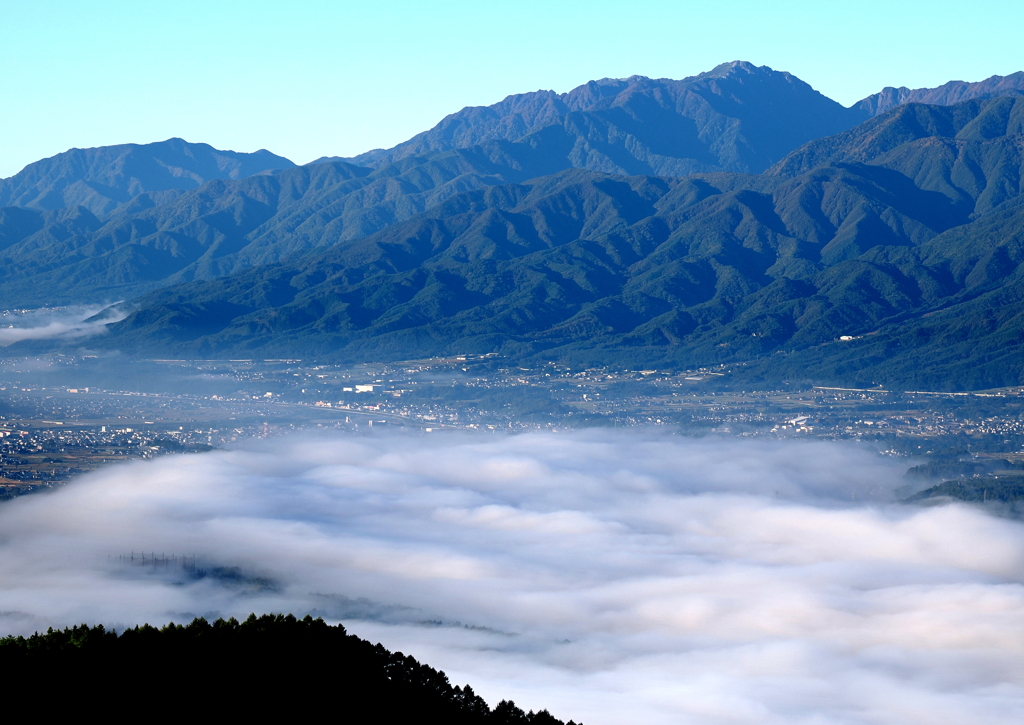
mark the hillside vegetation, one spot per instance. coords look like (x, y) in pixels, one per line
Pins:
(270, 665)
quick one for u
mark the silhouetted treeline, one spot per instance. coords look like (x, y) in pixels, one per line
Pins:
(268, 665)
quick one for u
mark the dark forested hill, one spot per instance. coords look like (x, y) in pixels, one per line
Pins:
(105, 178)
(268, 666)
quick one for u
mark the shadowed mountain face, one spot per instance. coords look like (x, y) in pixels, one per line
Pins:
(580, 260)
(737, 117)
(105, 178)
(970, 152)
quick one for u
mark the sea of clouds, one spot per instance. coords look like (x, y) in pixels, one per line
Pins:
(58, 322)
(610, 576)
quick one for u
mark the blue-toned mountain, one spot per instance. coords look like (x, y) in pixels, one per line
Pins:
(603, 269)
(945, 95)
(736, 117)
(158, 214)
(105, 178)
(900, 233)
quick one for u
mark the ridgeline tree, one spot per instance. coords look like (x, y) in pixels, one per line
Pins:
(266, 666)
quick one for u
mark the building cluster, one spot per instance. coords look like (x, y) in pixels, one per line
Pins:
(56, 426)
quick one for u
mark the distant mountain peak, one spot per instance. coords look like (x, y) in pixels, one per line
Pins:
(733, 66)
(741, 67)
(104, 178)
(739, 93)
(619, 81)
(736, 117)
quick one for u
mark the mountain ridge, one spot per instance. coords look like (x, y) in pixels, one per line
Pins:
(945, 95)
(597, 268)
(224, 226)
(708, 103)
(517, 115)
(104, 178)
(900, 234)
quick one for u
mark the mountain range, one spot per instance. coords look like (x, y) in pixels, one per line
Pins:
(735, 216)
(104, 179)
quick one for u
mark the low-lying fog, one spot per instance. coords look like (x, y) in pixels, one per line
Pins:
(609, 576)
(63, 322)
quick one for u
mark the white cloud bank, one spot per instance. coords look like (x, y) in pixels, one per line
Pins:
(610, 576)
(46, 323)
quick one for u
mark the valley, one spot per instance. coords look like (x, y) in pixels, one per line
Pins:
(51, 432)
(529, 341)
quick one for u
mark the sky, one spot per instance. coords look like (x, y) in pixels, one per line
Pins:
(610, 576)
(311, 79)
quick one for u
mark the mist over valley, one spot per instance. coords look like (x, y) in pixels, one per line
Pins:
(609, 575)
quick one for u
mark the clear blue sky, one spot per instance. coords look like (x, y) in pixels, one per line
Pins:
(306, 79)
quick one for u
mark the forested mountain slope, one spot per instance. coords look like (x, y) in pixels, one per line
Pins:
(116, 222)
(227, 225)
(970, 152)
(126, 243)
(646, 270)
(971, 338)
(736, 117)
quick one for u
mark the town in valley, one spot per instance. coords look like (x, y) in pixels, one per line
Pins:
(65, 415)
